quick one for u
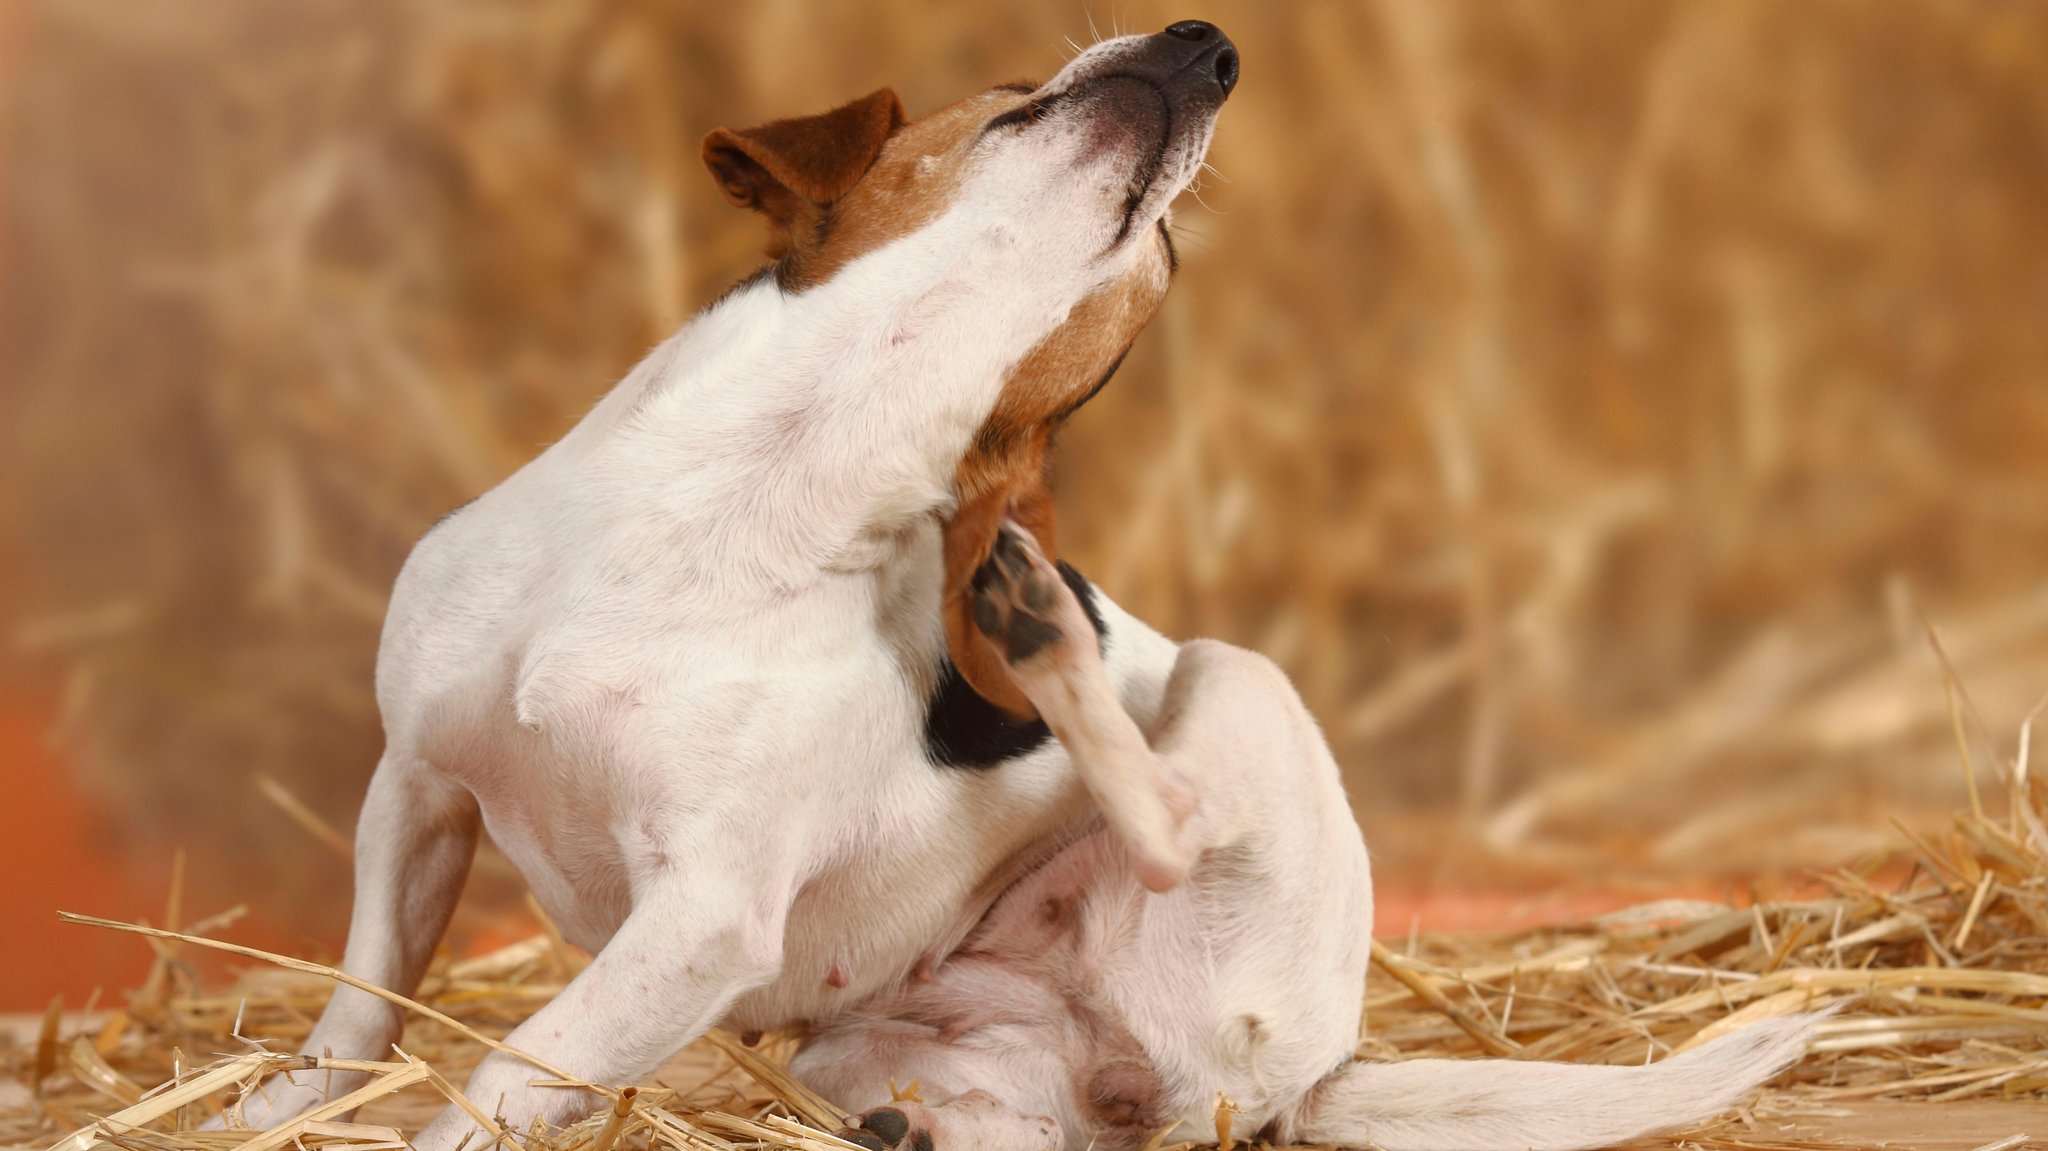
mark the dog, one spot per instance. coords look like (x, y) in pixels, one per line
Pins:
(768, 678)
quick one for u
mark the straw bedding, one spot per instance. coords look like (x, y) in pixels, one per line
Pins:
(1939, 975)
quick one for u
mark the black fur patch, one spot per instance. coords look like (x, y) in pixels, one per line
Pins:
(961, 729)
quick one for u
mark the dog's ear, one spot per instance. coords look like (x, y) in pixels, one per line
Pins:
(785, 168)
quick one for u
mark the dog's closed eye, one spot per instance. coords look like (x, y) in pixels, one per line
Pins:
(1024, 114)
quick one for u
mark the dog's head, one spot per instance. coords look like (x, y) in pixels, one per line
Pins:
(1072, 178)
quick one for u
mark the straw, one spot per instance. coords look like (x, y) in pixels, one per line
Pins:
(1922, 1010)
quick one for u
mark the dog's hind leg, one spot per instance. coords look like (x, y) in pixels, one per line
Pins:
(414, 841)
(1034, 619)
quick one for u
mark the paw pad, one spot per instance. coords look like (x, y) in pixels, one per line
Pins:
(887, 1129)
(888, 1123)
(1016, 596)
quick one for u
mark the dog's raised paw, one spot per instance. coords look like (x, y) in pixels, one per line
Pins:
(1020, 602)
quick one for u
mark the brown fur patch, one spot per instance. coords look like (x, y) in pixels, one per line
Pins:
(791, 170)
(842, 184)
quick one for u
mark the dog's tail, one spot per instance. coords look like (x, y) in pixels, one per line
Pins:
(1481, 1104)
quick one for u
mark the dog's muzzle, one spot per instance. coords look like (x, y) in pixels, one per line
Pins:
(1152, 90)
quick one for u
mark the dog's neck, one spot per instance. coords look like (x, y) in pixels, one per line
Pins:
(837, 415)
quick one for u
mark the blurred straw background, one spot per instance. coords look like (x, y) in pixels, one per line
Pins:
(1584, 399)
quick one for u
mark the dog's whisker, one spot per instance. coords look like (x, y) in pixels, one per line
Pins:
(1190, 239)
(1195, 234)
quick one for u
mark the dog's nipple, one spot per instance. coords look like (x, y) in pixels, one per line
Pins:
(836, 975)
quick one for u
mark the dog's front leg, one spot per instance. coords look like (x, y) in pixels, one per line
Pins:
(414, 841)
(693, 943)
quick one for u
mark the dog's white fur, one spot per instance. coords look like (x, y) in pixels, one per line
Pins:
(678, 664)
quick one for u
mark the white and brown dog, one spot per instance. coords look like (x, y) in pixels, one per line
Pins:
(765, 680)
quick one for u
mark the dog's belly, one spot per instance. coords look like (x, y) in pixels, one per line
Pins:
(913, 877)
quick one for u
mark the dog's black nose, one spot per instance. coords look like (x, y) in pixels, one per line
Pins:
(1215, 49)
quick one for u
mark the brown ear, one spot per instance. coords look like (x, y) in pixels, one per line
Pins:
(780, 167)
